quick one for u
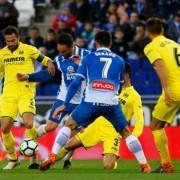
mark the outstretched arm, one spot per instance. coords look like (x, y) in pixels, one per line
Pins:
(73, 87)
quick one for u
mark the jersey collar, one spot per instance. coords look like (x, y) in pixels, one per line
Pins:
(103, 48)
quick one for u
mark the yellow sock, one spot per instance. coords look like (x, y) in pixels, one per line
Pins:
(161, 142)
(9, 143)
(115, 165)
(31, 133)
(62, 152)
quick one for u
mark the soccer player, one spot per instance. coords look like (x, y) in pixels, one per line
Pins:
(66, 62)
(105, 132)
(164, 54)
(18, 97)
(103, 71)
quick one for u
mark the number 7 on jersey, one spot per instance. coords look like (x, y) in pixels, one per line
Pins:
(106, 67)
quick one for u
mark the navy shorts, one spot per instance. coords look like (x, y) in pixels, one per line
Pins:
(70, 107)
(85, 113)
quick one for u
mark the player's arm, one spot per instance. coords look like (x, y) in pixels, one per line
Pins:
(156, 59)
(46, 61)
(139, 119)
(73, 87)
(160, 70)
(41, 76)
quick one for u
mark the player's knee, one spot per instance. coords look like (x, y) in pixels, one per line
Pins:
(51, 127)
(156, 124)
(70, 123)
(28, 125)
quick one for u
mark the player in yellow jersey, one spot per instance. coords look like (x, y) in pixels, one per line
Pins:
(164, 54)
(102, 131)
(18, 97)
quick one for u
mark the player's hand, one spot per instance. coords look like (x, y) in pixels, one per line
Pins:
(22, 77)
(168, 98)
(51, 67)
(58, 111)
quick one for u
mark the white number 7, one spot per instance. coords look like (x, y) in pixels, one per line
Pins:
(106, 67)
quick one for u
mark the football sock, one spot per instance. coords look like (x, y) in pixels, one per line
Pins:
(68, 155)
(161, 142)
(134, 146)
(61, 153)
(41, 130)
(9, 143)
(61, 139)
(31, 133)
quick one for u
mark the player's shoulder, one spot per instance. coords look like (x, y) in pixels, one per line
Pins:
(135, 94)
(148, 47)
(59, 58)
(27, 47)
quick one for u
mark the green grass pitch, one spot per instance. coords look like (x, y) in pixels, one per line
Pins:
(87, 170)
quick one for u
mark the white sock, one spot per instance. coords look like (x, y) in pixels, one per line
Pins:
(135, 147)
(41, 130)
(61, 139)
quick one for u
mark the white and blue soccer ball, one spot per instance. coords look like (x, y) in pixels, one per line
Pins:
(28, 147)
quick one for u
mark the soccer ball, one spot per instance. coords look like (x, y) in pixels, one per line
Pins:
(28, 147)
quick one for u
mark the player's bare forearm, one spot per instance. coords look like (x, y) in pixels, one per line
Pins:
(160, 69)
(51, 67)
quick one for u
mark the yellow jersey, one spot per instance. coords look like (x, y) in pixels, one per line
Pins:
(169, 52)
(19, 61)
(132, 106)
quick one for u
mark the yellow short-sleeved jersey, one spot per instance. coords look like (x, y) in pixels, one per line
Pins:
(169, 52)
(132, 106)
(19, 61)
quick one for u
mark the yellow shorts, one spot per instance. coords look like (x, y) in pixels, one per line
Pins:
(163, 112)
(11, 105)
(100, 131)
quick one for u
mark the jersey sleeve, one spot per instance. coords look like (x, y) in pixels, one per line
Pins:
(37, 56)
(138, 114)
(1, 68)
(81, 71)
(151, 53)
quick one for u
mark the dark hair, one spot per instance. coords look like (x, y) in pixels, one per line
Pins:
(141, 24)
(154, 25)
(51, 31)
(103, 38)
(65, 39)
(34, 28)
(128, 69)
(9, 30)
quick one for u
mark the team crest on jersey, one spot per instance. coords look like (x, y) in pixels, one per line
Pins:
(21, 52)
(102, 85)
(70, 69)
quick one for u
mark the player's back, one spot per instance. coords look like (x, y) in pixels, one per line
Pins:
(169, 51)
(104, 71)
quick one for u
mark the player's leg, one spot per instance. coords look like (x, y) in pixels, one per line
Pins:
(117, 118)
(52, 123)
(27, 109)
(163, 114)
(8, 114)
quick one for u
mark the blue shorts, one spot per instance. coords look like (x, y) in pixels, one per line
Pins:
(85, 113)
(67, 111)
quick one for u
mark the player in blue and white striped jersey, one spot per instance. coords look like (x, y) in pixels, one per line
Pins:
(67, 63)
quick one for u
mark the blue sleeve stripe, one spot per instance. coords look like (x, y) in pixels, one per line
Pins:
(40, 58)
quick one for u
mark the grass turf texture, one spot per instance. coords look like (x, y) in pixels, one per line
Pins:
(87, 170)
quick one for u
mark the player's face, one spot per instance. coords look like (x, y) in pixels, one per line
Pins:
(12, 41)
(65, 50)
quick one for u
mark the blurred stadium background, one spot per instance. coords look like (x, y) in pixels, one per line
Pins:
(40, 23)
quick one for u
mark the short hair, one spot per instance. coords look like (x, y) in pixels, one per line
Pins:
(103, 38)
(65, 39)
(154, 25)
(141, 24)
(9, 30)
(34, 28)
(128, 69)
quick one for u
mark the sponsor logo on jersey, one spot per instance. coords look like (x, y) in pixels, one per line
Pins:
(14, 59)
(103, 85)
(21, 52)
